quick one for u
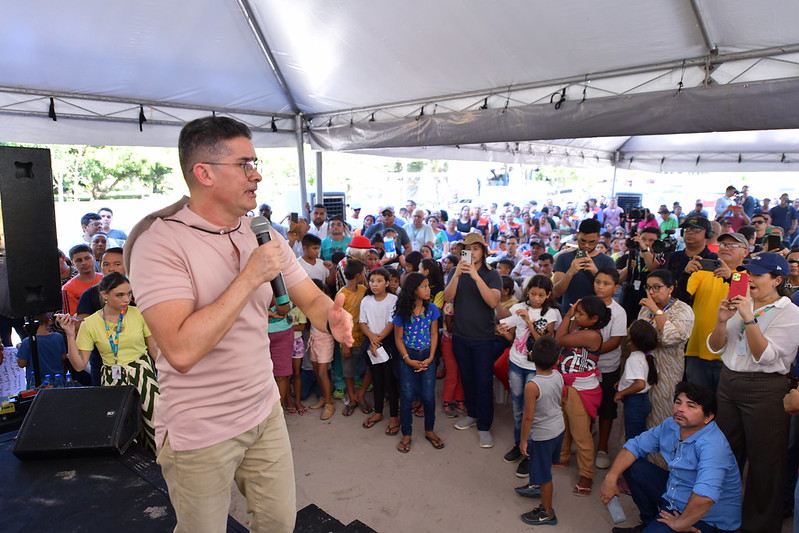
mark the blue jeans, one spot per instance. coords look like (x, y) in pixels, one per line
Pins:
(703, 372)
(647, 483)
(476, 364)
(636, 408)
(421, 385)
(517, 379)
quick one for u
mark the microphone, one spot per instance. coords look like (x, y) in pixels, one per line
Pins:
(260, 226)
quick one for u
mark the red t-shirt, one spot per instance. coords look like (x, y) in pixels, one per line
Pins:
(72, 290)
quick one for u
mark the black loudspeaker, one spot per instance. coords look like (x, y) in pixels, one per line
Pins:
(80, 421)
(30, 259)
(629, 200)
(335, 203)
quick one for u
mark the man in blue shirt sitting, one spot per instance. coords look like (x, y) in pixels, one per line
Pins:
(701, 490)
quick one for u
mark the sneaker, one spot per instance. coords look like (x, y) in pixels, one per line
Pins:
(449, 410)
(539, 516)
(602, 460)
(523, 470)
(514, 455)
(465, 423)
(338, 394)
(529, 491)
(486, 440)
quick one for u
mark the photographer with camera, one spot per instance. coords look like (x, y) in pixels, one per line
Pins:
(708, 285)
(634, 267)
(696, 231)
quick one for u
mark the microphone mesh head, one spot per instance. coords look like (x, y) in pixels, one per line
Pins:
(260, 225)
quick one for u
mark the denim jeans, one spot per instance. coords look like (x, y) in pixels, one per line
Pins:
(476, 363)
(636, 409)
(517, 379)
(703, 372)
(647, 483)
(421, 385)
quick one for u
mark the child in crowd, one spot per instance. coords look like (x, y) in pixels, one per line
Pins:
(299, 323)
(581, 342)
(452, 395)
(448, 263)
(310, 262)
(507, 298)
(393, 281)
(543, 428)
(416, 337)
(321, 345)
(52, 350)
(640, 372)
(606, 283)
(353, 292)
(281, 348)
(432, 271)
(534, 318)
(377, 310)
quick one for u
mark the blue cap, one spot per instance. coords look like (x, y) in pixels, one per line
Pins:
(766, 262)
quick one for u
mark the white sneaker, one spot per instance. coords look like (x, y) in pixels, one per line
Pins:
(602, 460)
(465, 423)
(486, 440)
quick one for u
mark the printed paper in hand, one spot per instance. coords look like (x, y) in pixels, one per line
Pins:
(381, 357)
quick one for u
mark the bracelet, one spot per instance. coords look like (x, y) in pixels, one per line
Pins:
(405, 357)
(750, 322)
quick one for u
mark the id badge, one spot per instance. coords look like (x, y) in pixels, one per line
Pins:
(742, 347)
(116, 372)
(637, 285)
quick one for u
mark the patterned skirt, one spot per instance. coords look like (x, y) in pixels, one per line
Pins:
(141, 374)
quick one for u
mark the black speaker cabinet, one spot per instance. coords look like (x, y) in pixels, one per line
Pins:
(80, 421)
(30, 258)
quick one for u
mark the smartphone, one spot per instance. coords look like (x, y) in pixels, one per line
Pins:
(294, 217)
(710, 265)
(739, 283)
(773, 242)
(580, 254)
(466, 255)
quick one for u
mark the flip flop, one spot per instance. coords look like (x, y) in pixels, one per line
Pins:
(349, 409)
(436, 442)
(366, 408)
(404, 447)
(370, 423)
(392, 430)
(291, 410)
(302, 410)
(581, 491)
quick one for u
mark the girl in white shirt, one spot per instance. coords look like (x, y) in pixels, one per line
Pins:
(640, 372)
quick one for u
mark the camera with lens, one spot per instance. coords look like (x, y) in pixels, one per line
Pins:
(634, 214)
(667, 245)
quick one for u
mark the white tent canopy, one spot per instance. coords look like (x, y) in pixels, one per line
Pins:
(633, 84)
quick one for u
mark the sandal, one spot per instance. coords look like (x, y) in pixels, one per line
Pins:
(435, 441)
(392, 430)
(366, 408)
(291, 410)
(404, 447)
(370, 422)
(301, 410)
(349, 409)
(581, 491)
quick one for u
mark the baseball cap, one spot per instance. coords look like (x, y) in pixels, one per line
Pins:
(766, 262)
(734, 236)
(700, 202)
(355, 206)
(697, 222)
(359, 242)
(537, 242)
(388, 209)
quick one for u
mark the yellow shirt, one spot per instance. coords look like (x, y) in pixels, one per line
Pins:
(93, 334)
(352, 304)
(708, 291)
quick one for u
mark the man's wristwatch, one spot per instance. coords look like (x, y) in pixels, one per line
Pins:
(750, 322)
(659, 312)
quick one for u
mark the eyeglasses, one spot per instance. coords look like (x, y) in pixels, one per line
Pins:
(692, 229)
(502, 242)
(653, 288)
(587, 242)
(248, 166)
(730, 245)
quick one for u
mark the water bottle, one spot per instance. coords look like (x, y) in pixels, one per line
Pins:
(48, 382)
(391, 249)
(616, 512)
(58, 381)
(68, 381)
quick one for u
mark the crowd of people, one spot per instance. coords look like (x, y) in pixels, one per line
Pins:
(573, 310)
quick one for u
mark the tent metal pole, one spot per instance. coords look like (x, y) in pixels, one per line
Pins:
(700, 20)
(320, 195)
(614, 159)
(301, 166)
(481, 93)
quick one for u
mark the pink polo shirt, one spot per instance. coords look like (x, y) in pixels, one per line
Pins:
(232, 388)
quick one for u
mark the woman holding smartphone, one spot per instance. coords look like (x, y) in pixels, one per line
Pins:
(755, 335)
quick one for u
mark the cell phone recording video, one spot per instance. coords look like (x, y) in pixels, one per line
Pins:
(710, 265)
(466, 255)
(580, 254)
(773, 242)
(294, 217)
(739, 283)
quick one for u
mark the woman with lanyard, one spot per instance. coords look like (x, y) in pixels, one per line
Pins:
(126, 346)
(756, 337)
(674, 321)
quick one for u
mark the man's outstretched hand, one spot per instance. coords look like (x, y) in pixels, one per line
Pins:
(340, 322)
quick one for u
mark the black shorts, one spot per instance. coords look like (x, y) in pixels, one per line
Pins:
(608, 409)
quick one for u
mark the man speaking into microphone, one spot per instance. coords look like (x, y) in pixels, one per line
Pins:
(204, 285)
